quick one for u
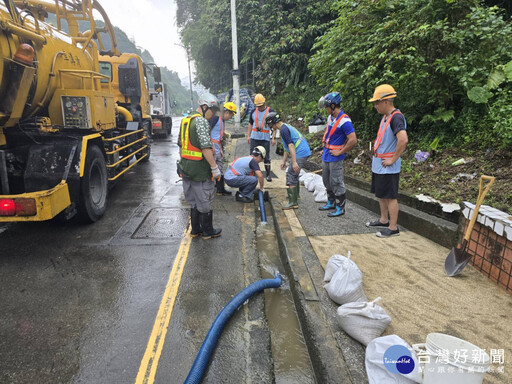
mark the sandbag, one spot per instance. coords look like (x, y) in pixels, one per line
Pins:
(334, 262)
(321, 197)
(317, 180)
(374, 361)
(306, 177)
(346, 285)
(363, 321)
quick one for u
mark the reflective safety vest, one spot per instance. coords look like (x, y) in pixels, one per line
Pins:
(188, 151)
(328, 133)
(384, 125)
(217, 131)
(295, 135)
(256, 123)
(240, 166)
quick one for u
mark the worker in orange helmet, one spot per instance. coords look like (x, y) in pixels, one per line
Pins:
(389, 145)
(258, 132)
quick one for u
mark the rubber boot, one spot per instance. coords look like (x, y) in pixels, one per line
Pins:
(207, 225)
(298, 191)
(221, 188)
(331, 202)
(267, 170)
(195, 223)
(292, 198)
(340, 207)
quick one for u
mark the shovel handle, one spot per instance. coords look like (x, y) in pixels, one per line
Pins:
(482, 191)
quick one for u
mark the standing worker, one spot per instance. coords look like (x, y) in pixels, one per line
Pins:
(244, 173)
(258, 132)
(386, 163)
(217, 133)
(339, 138)
(297, 148)
(198, 166)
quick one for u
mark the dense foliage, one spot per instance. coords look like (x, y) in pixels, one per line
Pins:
(450, 60)
(274, 36)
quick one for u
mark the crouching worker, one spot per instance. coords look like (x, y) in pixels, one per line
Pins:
(244, 173)
(297, 149)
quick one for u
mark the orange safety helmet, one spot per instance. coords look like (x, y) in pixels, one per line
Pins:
(383, 92)
(259, 100)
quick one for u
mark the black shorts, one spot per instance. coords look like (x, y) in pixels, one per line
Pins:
(385, 186)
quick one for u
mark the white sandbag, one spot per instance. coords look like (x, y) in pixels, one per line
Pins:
(302, 173)
(308, 181)
(346, 285)
(305, 177)
(317, 180)
(319, 187)
(334, 262)
(363, 321)
(374, 361)
(321, 197)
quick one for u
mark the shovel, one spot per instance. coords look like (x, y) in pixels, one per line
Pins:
(458, 258)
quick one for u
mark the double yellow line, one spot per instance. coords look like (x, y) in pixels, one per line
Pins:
(149, 363)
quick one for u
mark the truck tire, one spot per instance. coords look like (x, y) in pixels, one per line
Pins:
(93, 186)
(146, 126)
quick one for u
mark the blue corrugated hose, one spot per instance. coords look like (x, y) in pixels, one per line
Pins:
(203, 357)
(262, 207)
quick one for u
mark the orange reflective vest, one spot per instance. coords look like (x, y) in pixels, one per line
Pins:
(328, 134)
(384, 125)
(188, 151)
(256, 124)
(244, 163)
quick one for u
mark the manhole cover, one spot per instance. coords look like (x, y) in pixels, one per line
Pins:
(162, 223)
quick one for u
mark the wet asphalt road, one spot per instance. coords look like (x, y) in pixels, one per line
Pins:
(78, 302)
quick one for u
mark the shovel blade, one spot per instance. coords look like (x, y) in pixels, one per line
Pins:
(457, 260)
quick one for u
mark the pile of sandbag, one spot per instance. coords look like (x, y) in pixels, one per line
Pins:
(365, 321)
(315, 184)
(362, 320)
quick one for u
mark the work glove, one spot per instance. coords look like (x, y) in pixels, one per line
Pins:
(216, 174)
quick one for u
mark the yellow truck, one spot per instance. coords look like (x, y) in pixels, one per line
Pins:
(63, 137)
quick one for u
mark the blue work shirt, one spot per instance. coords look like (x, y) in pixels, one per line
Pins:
(339, 136)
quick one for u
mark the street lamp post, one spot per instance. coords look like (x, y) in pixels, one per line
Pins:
(236, 71)
(189, 75)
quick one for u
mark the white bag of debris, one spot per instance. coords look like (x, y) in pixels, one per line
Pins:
(334, 262)
(382, 371)
(363, 321)
(306, 178)
(312, 183)
(346, 285)
(321, 197)
(319, 187)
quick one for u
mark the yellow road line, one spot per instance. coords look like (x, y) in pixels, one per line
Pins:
(149, 363)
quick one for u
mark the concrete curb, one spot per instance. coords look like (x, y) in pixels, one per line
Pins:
(434, 228)
(336, 358)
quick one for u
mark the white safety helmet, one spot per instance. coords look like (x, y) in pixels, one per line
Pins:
(259, 151)
(209, 100)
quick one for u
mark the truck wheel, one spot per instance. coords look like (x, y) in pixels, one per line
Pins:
(147, 132)
(93, 186)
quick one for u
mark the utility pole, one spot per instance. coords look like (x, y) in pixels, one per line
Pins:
(236, 71)
(189, 76)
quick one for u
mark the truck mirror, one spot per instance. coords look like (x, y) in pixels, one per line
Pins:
(157, 75)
